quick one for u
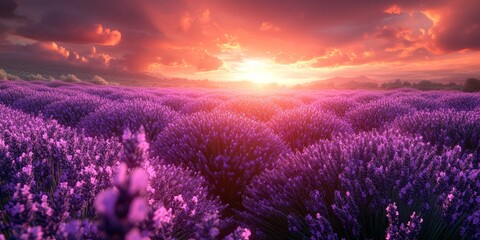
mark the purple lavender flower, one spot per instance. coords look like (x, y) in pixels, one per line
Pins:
(461, 101)
(239, 234)
(302, 127)
(337, 105)
(346, 181)
(134, 148)
(285, 102)
(36, 102)
(112, 119)
(397, 231)
(226, 149)
(123, 208)
(175, 102)
(444, 128)
(250, 107)
(376, 114)
(203, 104)
(208, 228)
(70, 111)
(182, 193)
(21, 212)
(10, 95)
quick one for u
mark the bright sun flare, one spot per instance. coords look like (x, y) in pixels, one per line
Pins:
(257, 71)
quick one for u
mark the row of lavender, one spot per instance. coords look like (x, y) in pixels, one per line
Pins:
(292, 164)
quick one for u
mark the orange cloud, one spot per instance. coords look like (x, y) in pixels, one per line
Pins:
(48, 50)
(394, 9)
(104, 36)
(267, 26)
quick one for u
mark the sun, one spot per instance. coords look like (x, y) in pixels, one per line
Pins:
(257, 71)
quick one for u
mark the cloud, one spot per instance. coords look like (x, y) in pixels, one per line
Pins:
(205, 62)
(47, 51)
(70, 28)
(267, 26)
(203, 36)
(457, 25)
(172, 57)
(52, 51)
(7, 8)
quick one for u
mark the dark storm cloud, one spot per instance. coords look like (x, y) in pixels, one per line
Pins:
(67, 27)
(459, 25)
(7, 8)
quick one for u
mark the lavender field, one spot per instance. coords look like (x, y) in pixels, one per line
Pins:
(104, 162)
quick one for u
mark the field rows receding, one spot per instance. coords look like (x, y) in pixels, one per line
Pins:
(82, 162)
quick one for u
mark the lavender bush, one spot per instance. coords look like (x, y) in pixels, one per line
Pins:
(37, 102)
(461, 101)
(444, 128)
(421, 103)
(249, 107)
(111, 119)
(175, 102)
(337, 105)
(341, 188)
(226, 149)
(48, 176)
(376, 114)
(203, 104)
(72, 110)
(285, 102)
(302, 127)
(11, 94)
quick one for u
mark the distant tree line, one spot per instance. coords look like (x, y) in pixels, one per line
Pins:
(470, 85)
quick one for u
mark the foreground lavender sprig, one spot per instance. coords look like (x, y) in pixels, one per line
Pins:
(397, 231)
(123, 207)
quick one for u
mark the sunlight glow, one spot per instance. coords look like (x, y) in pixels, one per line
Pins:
(257, 71)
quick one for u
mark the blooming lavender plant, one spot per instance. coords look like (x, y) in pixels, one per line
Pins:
(71, 111)
(179, 200)
(337, 105)
(203, 104)
(124, 207)
(346, 181)
(461, 101)
(397, 231)
(128, 95)
(376, 114)
(112, 119)
(444, 128)
(285, 102)
(421, 103)
(175, 102)
(13, 93)
(250, 107)
(226, 149)
(302, 127)
(36, 102)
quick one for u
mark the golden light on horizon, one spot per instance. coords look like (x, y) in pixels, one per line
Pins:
(257, 71)
(264, 71)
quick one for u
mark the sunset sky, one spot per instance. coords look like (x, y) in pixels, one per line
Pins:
(283, 41)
